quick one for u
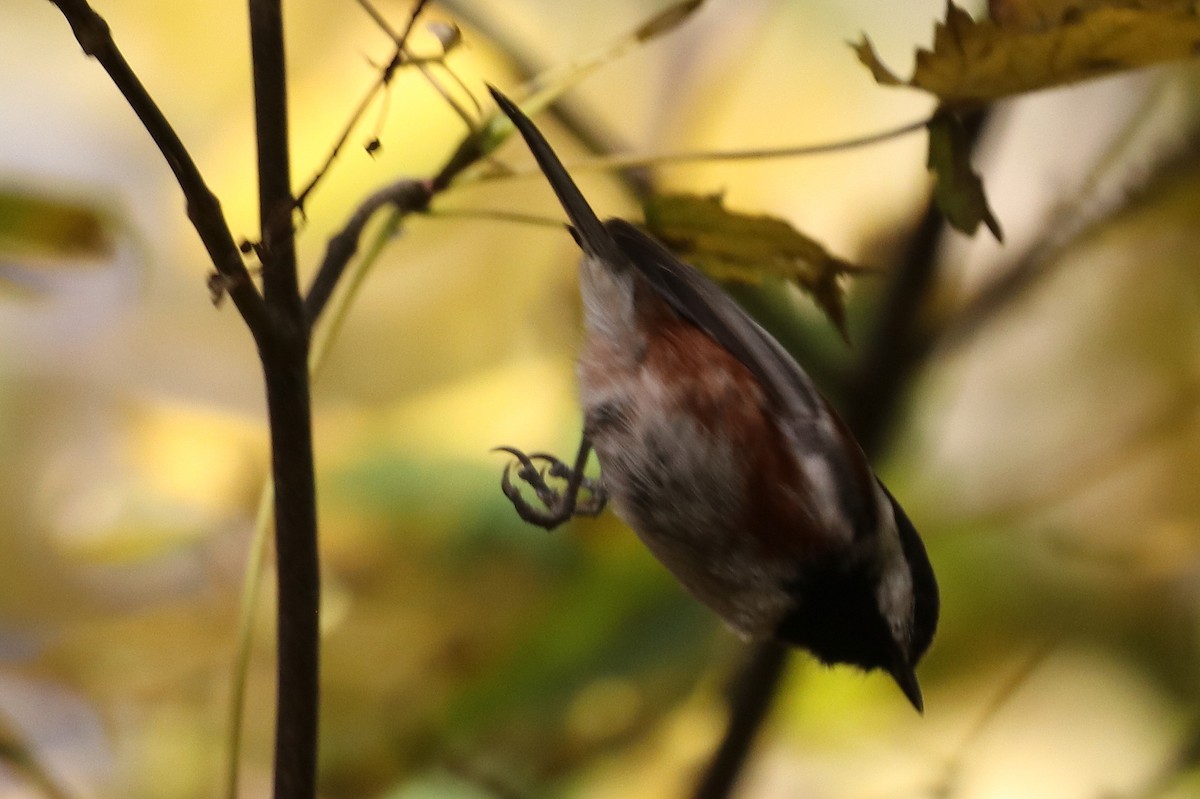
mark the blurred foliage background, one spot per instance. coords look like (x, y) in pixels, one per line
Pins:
(1049, 451)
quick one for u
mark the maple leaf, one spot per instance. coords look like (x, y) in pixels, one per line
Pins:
(1025, 46)
(746, 248)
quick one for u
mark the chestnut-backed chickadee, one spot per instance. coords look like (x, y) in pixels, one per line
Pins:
(720, 453)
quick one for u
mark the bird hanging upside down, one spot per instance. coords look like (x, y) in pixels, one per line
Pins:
(720, 453)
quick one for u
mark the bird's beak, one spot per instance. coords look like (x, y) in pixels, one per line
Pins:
(589, 231)
(906, 677)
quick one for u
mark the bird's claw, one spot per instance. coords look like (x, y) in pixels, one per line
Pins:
(559, 506)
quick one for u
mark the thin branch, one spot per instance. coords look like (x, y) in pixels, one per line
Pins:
(203, 208)
(385, 78)
(752, 692)
(422, 65)
(359, 110)
(407, 195)
(635, 161)
(463, 114)
(948, 785)
(585, 128)
(276, 321)
(401, 40)
(499, 216)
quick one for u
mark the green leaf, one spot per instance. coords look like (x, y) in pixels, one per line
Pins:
(38, 225)
(1035, 46)
(40, 234)
(748, 248)
(544, 89)
(958, 189)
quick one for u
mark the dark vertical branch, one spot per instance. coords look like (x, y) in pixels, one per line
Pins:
(897, 345)
(275, 202)
(285, 366)
(894, 351)
(750, 700)
(891, 352)
(289, 410)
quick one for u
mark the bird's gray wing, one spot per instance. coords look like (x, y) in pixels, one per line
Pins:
(804, 415)
(698, 299)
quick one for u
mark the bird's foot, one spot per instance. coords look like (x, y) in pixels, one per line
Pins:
(559, 506)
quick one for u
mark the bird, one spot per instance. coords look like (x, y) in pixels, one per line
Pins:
(718, 450)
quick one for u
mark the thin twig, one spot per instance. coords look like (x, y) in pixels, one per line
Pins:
(203, 208)
(336, 150)
(277, 322)
(947, 786)
(500, 216)
(385, 78)
(463, 114)
(635, 161)
(408, 195)
(401, 40)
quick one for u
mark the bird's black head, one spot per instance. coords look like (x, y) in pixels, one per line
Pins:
(838, 615)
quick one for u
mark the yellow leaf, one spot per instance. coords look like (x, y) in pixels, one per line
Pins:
(1031, 46)
(747, 248)
(1042, 14)
(867, 55)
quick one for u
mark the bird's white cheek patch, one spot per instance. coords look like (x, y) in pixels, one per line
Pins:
(895, 591)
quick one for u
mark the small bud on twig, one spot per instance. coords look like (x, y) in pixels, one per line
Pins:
(448, 34)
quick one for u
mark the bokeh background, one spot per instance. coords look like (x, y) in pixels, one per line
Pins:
(1047, 449)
